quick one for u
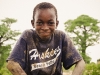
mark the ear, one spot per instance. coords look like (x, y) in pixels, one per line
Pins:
(32, 22)
(57, 22)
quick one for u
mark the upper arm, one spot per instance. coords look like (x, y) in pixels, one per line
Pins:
(18, 53)
(70, 55)
(79, 68)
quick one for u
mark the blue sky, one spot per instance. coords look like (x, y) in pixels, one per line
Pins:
(67, 9)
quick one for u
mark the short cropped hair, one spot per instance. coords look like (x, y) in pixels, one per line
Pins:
(45, 5)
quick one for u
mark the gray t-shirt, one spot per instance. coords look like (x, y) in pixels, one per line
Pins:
(39, 57)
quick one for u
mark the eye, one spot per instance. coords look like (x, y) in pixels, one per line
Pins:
(39, 23)
(51, 23)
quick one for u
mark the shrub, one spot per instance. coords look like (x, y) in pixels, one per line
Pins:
(92, 69)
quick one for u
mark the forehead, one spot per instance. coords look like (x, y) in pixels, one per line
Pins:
(45, 13)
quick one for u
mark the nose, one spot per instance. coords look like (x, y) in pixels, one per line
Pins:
(45, 27)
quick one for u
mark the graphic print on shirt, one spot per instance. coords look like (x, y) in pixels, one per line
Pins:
(44, 55)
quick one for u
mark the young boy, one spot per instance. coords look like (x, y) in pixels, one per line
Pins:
(43, 51)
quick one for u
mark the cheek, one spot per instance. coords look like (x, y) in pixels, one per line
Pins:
(52, 29)
(37, 29)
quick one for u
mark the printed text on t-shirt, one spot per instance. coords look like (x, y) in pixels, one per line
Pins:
(46, 54)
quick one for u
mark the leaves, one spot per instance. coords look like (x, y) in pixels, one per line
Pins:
(92, 69)
(85, 30)
(5, 31)
(6, 34)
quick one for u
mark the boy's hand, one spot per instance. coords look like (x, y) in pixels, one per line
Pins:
(15, 68)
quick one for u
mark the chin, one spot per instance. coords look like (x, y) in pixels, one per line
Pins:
(45, 37)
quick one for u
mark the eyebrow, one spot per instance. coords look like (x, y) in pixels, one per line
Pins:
(39, 19)
(42, 20)
(51, 20)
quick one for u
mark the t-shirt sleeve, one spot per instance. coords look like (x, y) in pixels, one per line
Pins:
(18, 52)
(69, 53)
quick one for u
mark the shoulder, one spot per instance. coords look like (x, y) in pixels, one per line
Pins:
(59, 32)
(27, 33)
(63, 35)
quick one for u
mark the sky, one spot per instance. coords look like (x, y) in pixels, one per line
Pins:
(22, 11)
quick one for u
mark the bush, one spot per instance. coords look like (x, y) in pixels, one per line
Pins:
(92, 69)
(4, 70)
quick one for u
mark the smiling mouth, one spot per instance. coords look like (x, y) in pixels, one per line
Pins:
(44, 32)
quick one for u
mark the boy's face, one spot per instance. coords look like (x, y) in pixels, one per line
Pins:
(45, 22)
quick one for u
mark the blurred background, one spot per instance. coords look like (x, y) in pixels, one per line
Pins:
(16, 16)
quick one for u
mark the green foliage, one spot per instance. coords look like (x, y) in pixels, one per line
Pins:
(6, 34)
(4, 52)
(4, 70)
(5, 31)
(92, 69)
(86, 58)
(84, 31)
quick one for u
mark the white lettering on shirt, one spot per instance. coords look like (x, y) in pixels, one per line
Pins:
(46, 54)
(43, 55)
